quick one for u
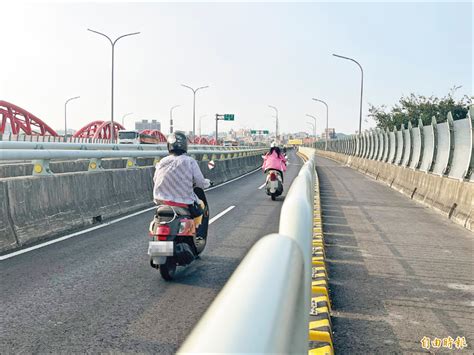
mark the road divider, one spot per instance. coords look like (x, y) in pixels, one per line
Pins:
(320, 325)
(266, 305)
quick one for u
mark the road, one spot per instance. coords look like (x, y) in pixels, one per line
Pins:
(97, 293)
(398, 271)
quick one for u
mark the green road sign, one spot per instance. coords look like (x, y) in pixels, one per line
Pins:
(255, 131)
(228, 117)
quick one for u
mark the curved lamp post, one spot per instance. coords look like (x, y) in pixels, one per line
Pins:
(194, 104)
(171, 117)
(276, 124)
(327, 121)
(361, 86)
(112, 43)
(123, 117)
(314, 118)
(65, 115)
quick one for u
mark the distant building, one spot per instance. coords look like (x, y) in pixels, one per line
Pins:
(145, 124)
(330, 133)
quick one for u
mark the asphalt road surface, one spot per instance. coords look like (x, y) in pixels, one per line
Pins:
(97, 292)
(398, 270)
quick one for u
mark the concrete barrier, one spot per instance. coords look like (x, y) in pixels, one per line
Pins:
(34, 208)
(452, 197)
(7, 235)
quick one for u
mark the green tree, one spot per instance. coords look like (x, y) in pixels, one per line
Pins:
(413, 107)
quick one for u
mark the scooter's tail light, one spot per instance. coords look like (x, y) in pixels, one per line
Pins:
(163, 230)
(273, 177)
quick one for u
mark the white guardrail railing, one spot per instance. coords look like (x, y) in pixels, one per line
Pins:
(107, 146)
(265, 305)
(42, 154)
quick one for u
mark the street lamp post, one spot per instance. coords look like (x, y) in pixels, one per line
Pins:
(123, 117)
(314, 118)
(200, 117)
(327, 121)
(112, 132)
(194, 104)
(171, 117)
(276, 123)
(65, 115)
(361, 86)
(314, 128)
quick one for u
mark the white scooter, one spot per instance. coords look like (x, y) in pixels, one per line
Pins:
(274, 183)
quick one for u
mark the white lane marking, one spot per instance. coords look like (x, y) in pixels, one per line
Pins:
(105, 224)
(219, 215)
(263, 185)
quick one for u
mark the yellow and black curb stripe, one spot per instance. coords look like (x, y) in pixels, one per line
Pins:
(320, 326)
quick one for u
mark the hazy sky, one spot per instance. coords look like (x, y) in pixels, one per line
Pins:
(251, 55)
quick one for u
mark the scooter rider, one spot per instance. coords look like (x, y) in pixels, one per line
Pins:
(274, 160)
(176, 176)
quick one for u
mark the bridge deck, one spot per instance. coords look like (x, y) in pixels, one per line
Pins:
(398, 271)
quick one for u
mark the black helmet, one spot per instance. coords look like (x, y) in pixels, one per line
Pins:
(177, 143)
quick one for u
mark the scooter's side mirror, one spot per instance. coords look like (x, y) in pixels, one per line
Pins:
(211, 165)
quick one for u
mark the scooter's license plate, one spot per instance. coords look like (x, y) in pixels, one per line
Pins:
(160, 248)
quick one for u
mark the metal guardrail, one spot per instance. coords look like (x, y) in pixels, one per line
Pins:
(264, 307)
(29, 138)
(106, 146)
(42, 157)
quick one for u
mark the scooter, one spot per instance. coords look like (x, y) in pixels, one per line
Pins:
(274, 183)
(174, 241)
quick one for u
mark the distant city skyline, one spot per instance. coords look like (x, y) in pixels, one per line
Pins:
(250, 54)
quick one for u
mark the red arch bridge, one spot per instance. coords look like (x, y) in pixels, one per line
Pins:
(24, 123)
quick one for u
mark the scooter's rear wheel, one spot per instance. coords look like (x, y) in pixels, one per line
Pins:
(273, 196)
(168, 269)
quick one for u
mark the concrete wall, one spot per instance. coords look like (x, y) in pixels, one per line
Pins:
(452, 197)
(40, 207)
